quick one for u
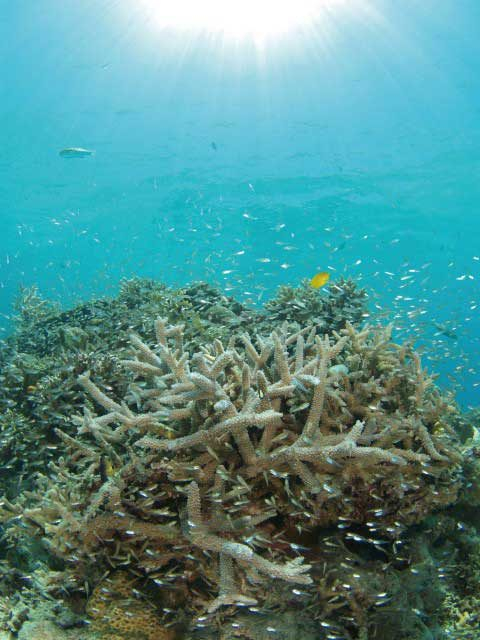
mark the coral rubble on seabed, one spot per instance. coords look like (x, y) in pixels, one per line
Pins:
(234, 475)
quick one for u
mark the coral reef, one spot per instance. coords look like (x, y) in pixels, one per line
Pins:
(233, 475)
(31, 605)
(117, 612)
(40, 362)
(343, 302)
(221, 464)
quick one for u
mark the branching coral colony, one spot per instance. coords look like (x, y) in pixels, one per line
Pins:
(222, 474)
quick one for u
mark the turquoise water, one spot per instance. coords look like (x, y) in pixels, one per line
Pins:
(352, 146)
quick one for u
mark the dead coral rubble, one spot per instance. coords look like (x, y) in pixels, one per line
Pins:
(220, 472)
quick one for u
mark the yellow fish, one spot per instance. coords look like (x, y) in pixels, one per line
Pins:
(319, 279)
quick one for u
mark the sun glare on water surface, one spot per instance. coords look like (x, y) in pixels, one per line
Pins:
(256, 19)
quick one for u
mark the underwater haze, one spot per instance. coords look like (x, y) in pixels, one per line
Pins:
(351, 145)
(240, 320)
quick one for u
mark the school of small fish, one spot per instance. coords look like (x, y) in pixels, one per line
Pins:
(244, 252)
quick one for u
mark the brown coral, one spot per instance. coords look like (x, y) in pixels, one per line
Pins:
(219, 466)
(117, 612)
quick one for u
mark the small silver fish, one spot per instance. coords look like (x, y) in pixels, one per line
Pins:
(75, 152)
(445, 330)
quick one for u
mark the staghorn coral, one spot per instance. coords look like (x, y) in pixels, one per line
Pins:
(40, 362)
(218, 476)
